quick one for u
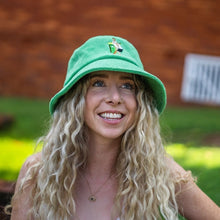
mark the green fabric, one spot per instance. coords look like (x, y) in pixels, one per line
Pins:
(113, 54)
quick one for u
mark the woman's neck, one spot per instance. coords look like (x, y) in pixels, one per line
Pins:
(102, 156)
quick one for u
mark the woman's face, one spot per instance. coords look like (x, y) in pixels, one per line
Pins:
(110, 104)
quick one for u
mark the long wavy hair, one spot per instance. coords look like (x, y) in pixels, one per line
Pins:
(145, 186)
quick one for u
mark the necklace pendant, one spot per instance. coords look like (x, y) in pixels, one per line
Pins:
(92, 198)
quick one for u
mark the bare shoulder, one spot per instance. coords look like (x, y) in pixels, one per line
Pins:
(29, 162)
(193, 203)
(21, 200)
(176, 170)
(172, 164)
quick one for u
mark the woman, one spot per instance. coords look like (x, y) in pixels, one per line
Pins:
(103, 157)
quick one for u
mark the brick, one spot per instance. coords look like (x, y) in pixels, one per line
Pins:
(38, 37)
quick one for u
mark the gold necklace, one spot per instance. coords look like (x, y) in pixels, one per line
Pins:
(92, 197)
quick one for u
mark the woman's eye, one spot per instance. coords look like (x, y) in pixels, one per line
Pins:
(128, 86)
(98, 83)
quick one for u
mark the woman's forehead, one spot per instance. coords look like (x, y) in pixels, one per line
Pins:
(107, 73)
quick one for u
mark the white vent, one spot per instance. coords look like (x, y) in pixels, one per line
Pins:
(201, 80)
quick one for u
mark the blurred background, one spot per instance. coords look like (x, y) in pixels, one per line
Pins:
(178, 40)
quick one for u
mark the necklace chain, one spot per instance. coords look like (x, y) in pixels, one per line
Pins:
(92, 197)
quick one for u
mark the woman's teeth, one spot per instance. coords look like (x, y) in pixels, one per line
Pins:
(111, 115)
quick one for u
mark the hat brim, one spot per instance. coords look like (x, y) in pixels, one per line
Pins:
(119, 65)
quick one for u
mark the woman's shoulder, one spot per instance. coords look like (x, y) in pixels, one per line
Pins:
(177, 171)
(31, 161)
(21, 200)
(173, 165)
(193, 203)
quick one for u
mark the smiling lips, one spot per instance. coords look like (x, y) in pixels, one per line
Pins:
(111, 116)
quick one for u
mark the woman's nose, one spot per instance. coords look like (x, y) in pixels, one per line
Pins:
(113, 95)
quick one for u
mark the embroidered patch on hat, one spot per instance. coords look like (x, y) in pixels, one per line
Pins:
(115, 47)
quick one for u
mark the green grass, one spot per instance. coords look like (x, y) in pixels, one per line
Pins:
(30, 117)
(13, 154)
(190, 125)
(184, 130)
(204, 163)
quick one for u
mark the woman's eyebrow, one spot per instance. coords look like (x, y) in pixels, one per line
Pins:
(127, 77)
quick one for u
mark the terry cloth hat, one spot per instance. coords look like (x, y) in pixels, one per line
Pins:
(111, 54)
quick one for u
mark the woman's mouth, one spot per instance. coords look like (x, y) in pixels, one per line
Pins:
(111, 116)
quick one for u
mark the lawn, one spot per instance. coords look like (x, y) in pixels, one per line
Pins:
(183, 129)
(30, 117)
(190, 125)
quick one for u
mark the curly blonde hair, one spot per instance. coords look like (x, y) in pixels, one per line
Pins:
(145, 187)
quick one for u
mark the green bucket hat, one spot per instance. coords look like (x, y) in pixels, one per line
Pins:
(108, 53)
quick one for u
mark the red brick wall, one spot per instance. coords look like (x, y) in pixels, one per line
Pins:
(38, 37)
